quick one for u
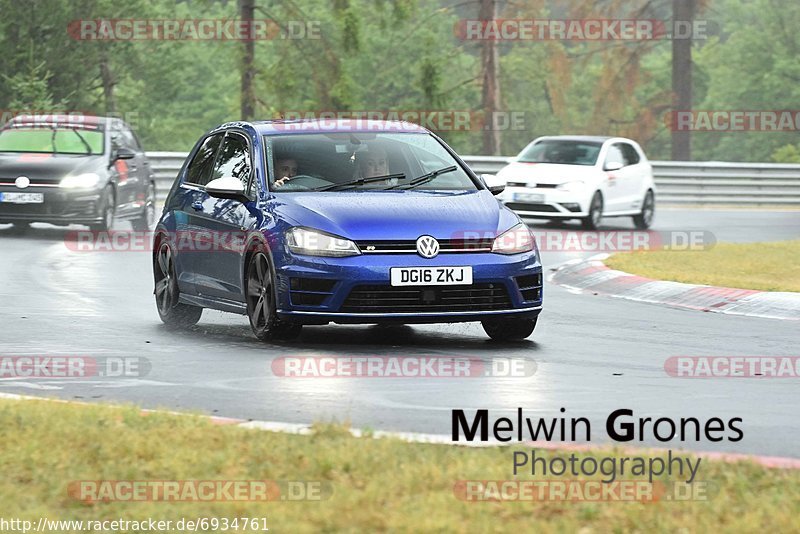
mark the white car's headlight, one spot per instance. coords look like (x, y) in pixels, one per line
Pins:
(572, 186)
(83, 181)
(514, 241)
(316, 243)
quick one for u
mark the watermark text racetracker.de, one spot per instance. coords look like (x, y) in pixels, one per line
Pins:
(74, 367)
(580, 29)
(401, 367)
(547, 240)
(192, 29)
(198, 491)
(439, 120)
(733, 366)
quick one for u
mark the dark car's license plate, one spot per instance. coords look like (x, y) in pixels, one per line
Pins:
(22, 198)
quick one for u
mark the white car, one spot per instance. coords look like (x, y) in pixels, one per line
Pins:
(580, 177)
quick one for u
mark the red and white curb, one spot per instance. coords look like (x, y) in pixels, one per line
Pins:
(593, 276)
(771, 462)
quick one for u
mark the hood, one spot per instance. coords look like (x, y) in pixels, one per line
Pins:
(396, 215)
(45, 168)
(545, 173)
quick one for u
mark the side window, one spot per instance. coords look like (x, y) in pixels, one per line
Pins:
(200, 168)
(631, 156)
(615, 156)
(234, 160)
(129, 140)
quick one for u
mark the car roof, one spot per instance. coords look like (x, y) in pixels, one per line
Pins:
(72, 120)
(334, 125)
(590, 138)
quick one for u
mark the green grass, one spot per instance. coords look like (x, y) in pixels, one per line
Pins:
(377, 484)
(762, 266)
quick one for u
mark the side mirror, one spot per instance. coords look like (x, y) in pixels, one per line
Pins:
(227, 187)
(492, 183)
(613, 166)
(124, 153)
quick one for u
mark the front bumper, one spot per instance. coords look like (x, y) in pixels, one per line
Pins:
(552, 204)
(343, 290)
(60, 206)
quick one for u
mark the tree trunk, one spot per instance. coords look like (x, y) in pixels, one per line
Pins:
(490, 97)
(682, 10)
(109, 82)
(248, 97)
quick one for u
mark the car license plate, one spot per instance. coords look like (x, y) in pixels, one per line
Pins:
(528, 197)
(431, 276)
(22, 198)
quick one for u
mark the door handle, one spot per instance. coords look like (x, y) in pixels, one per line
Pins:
(197, 206)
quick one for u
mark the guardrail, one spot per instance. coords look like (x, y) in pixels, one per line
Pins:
(678, 182)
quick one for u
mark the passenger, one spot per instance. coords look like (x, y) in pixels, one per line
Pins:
(372, 163)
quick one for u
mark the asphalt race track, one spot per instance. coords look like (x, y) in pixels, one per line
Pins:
(593, 354)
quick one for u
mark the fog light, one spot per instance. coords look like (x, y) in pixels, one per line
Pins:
(572, 207)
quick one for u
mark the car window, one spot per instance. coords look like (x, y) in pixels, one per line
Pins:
(562, 152)
(363, 160)
(234, 160)
(615, 155)
(129, 140)
(630, 153)
(199, 171)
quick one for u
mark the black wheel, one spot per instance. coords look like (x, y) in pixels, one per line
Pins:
(174, 314)
(260, 295)
(509, 329)
(147, 219)
(21, 227)
(108, 206)
(644, 219)
(592, 221)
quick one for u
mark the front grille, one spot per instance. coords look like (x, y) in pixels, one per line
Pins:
(412, 299)
(518, 206)
(408, 246)
(535, 186)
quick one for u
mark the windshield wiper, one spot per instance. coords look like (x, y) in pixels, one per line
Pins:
(419, 180)
(88, 148)
(362, 181)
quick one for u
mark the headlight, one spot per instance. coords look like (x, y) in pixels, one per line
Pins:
(83, 181)
(514, 241)
(575, 185)
(316, 243)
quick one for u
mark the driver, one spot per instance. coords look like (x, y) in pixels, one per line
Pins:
(286, 168)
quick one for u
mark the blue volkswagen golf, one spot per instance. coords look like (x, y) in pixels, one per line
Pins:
(310, 222)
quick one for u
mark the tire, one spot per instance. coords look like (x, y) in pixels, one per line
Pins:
(592, 221)
(513, 329)
(173, 313)
(147, 219)
(261, 297)
(644, 219)
(107, 209)
(21, 227)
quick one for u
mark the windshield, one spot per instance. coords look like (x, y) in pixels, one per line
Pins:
(563, 152)
(52, 141)
(363, 161)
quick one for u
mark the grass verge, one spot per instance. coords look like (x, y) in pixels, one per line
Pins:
(762, 266)
(377, 484)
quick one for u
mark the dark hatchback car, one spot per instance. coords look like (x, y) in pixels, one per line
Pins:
(63, 169)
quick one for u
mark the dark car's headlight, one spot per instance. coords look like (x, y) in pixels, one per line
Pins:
(516, 240)
(86, 180)
(317, 243)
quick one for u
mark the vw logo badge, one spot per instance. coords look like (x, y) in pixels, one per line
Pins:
(22, 182)
(427, 246)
